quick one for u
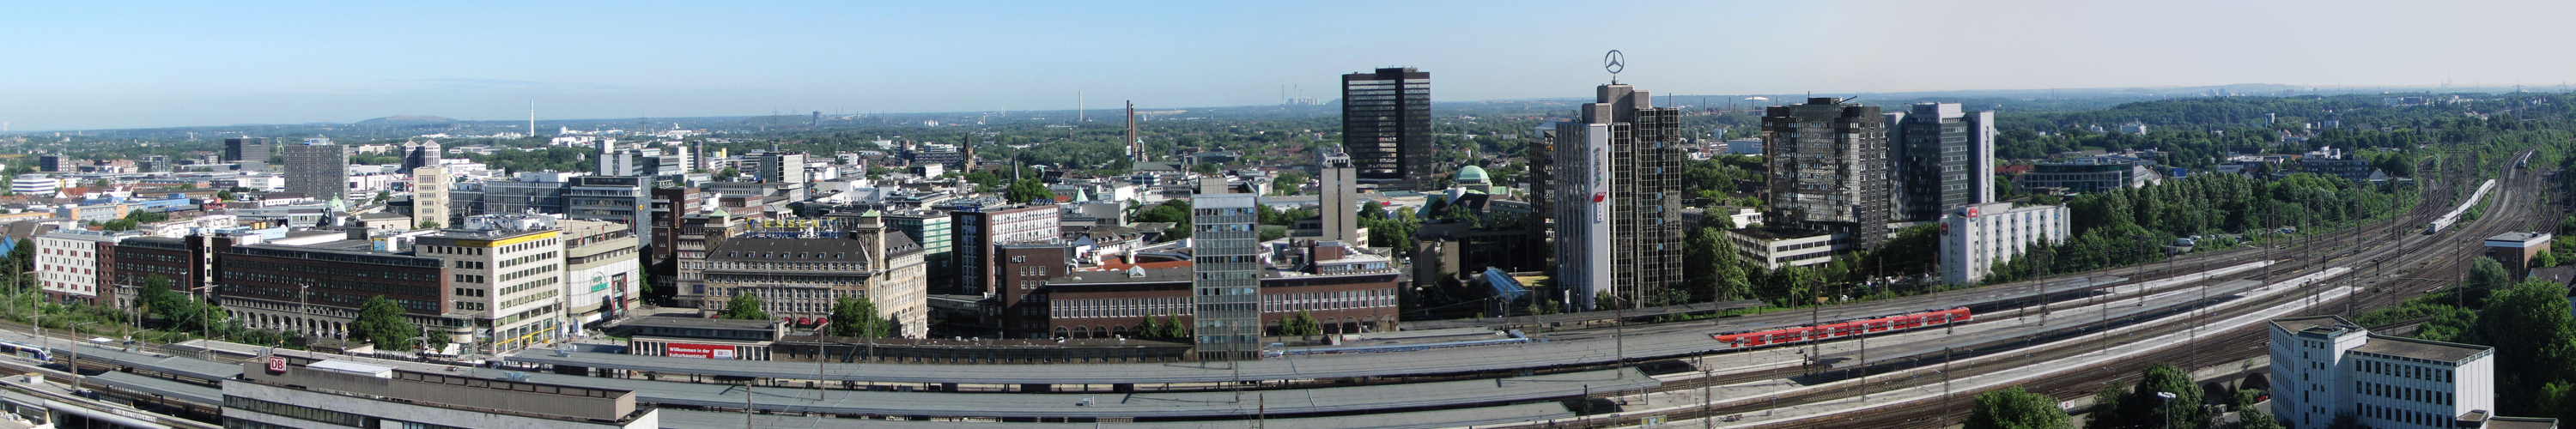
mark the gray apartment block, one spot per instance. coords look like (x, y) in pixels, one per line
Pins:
(1227, 311)
(317, 170)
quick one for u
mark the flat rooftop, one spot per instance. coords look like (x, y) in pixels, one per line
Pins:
(2421, 349)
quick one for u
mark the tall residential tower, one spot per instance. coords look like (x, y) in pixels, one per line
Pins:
(1943, 159)
(1829, 169)
(1386, 126)
(1618, 191)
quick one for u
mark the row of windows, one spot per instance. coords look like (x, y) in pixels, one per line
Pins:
(2404, 416)
(521, 274)
(524, 287)
(2402, 393)
(2405, 371)
(550, 294)
(513, 262)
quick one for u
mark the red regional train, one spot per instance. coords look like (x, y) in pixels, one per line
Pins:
(1746, 340)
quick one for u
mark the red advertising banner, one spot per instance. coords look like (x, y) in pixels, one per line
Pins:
(700, 351)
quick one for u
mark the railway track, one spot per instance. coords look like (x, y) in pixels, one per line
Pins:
(2371, 272)
(2510, 210)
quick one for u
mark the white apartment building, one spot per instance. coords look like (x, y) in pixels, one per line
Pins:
(67, 264)
(1774, 247)
(2323, 366)
(507, 271)
(1975, 237)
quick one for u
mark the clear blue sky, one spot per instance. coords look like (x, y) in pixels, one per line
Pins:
(87, 65)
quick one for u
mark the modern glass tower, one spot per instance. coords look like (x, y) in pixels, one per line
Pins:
(1386, 126)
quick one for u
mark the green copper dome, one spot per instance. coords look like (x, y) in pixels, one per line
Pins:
(1472, 174)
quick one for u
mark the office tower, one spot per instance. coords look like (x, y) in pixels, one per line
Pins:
(54, 163)
(1338, 191)
(1619, 229)
(1386, 126)
(1943, 159)
(1541, 174)
(782, 167)
(317, 169)
(429, 187)
(423, 154)
(246, 149)
(1829, 169)
(1227, 287)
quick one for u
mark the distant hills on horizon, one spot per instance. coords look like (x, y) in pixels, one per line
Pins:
(2246, 89)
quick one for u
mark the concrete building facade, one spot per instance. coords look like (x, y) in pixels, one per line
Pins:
(1226, 289)
(317, 169)
(429, 186)
(602, 274)
(1976, 237)
(507, 271)
(2325, 366)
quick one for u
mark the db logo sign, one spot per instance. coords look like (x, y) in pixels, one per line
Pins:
(276, 364)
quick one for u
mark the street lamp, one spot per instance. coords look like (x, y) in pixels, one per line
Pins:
(2169, 396)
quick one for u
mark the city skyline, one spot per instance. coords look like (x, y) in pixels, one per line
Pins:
(190, 65)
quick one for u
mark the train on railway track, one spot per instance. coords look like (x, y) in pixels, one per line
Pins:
(2454, 217)
(1842, 329)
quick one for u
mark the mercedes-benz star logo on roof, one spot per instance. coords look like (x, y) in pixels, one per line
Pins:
(1614, 62)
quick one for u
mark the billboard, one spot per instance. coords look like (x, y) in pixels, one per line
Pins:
(700, 351)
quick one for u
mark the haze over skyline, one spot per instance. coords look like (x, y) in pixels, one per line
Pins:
(85, 66)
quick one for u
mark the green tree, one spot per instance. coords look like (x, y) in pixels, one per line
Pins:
(743, 306)
(381, 196)
(728, 173)
(2143, 405)
(1300, 325)
(2254, 418)
(155, 296)
(2014, 408)
(1174, 211)
(2535, 344)
(1027, 190)
(225, 195)
(1288, 183)
(2485, 277)
(857, 317)
(429, 224)
(380, 321)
